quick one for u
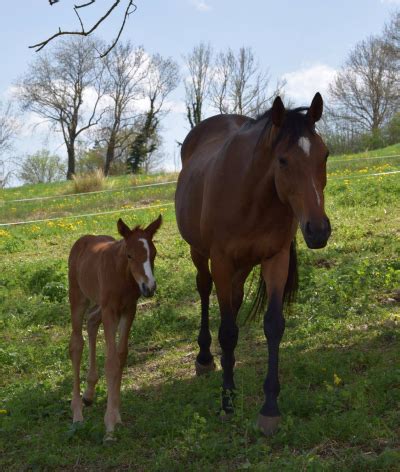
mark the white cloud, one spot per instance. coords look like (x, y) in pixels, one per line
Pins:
(200, 5)
(302, 84)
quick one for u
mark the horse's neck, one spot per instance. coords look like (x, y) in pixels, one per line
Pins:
(258, 184)
(121, 260)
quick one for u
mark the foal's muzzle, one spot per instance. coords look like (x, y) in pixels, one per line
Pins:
(316, 234)
(148, 291)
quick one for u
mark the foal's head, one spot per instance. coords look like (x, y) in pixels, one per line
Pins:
(141, 252)
(300, 157)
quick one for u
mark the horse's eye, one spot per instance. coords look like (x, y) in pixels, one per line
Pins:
(283, 162)
(129, 256)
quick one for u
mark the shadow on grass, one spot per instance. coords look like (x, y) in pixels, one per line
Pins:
(333, 400)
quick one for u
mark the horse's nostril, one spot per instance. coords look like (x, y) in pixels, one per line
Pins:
(308, 227)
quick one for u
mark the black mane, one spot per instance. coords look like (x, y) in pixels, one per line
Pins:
(295, 124)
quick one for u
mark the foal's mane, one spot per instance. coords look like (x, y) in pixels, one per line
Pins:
(295, 124)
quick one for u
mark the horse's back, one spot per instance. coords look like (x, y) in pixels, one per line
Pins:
(199, 150)
(209, 136)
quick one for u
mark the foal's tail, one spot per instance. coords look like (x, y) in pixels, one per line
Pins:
(260, 302)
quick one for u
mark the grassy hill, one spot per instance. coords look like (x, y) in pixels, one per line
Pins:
(340, 371)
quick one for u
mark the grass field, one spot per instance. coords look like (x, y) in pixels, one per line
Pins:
(340, 369)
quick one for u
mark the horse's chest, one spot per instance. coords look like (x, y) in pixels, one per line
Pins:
(252, 250)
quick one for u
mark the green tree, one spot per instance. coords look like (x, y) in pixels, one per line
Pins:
(42, 167)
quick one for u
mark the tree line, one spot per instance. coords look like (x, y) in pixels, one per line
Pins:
(117, 103)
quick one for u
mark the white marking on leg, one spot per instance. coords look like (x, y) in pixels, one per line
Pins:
(147, 265)
(305, 145)
(316, 192)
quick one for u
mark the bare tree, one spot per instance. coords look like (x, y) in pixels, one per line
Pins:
(162, 78)
(8, 126)
(126, 70)
(8, 131)
(392, 37)
(197, 84)
(365, 92)
(239, 85)
(59, 84)
(130, 8)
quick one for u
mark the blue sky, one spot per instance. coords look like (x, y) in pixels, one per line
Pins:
(303, 41)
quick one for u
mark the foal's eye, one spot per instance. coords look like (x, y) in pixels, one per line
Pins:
(129, 256)
(283, 162)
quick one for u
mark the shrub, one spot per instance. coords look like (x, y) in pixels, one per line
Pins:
(89, 182)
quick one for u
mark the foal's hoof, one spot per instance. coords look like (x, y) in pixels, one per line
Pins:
(268, 424)
(202, 369)
(87, 402)
(109, 438)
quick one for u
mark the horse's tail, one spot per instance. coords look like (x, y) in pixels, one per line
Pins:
(260, 301)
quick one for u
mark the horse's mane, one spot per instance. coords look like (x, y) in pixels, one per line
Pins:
(295, 124)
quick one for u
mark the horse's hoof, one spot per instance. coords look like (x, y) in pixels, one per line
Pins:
(202, 369)
(109, 438)
(87, 402)
(225, 416)
(268, 424)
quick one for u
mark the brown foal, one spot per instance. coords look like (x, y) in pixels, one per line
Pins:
(109, 276)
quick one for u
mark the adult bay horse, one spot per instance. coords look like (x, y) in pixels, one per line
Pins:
(109, 276)
(244, 188)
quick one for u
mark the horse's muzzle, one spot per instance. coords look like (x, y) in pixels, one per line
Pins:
(147, 291)
(316, 234)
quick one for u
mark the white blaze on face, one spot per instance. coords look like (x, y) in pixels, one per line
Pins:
(147, 265)
(305, 145)
(316, 192)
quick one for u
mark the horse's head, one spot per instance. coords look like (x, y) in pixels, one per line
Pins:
(141, 252)
(300, 157)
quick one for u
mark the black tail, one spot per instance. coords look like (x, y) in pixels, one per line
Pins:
(260, 302)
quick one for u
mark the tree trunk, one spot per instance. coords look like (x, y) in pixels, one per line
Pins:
(71, 161)
(109, 155)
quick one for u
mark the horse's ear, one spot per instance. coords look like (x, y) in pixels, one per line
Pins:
(154, 226)
(315, 111)
(277, 112)
(123, 229)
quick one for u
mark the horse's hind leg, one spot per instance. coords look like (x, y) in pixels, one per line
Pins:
(93, 323)
(223, 275)
(204, 360)
(78, 304)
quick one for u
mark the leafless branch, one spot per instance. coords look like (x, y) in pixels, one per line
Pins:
(130, 8)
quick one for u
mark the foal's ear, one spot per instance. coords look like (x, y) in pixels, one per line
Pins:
(123, 229)
(315, 111)
(277, 112)
(153, 227)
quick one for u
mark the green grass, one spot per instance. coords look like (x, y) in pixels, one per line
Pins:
(340, 371)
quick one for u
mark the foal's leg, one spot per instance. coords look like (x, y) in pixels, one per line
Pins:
(93, 323)
(78, 304)
(275, 273)
(222, 273)
(204, 360)
(125, 324)
(110, 322)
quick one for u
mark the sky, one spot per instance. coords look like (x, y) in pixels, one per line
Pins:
(301, 41)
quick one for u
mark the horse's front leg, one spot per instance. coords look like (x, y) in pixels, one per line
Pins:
(124, 330)
(222, 274)
(110, 320)
(275, 273)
